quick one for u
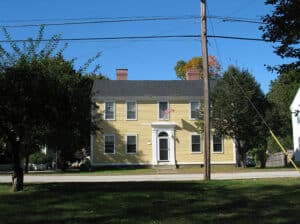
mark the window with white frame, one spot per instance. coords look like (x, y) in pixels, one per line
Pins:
(196, 143)
(217, 143)
(109, 111)
(109, 144)
(131, 144)
(131, 110)
(194, 108)
(163, 110)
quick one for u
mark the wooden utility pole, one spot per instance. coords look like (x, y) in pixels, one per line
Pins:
(206, 92)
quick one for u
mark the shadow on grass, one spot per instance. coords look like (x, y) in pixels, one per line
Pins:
(154, 202)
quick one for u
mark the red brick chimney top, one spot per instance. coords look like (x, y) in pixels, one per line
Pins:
(192, 74)
(122, 73)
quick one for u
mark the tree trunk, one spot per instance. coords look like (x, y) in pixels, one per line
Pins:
(241, 155)
(263, 160)
(17, 176)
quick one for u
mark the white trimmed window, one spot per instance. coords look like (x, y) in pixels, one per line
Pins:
(194, 109)
(109, 111)
(109, 144)
(217, 143)
(131, 144)
(195, 143)
(131, 110)
(163, 110)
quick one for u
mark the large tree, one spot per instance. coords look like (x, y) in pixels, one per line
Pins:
(43, 100)
(280, 96)
(232, 113)
(283, 26)
(196, 63)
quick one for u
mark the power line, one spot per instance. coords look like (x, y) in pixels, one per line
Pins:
(105, 20)
(236, 19)
(136, 38)
(237, 38)
(78, 21)
(95, 18)
(105, 38)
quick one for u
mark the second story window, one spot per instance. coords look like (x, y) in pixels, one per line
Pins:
(131, 110)
(109, 112)
(194, 108)
(163, 110)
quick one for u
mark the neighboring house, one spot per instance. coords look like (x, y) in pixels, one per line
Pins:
(295, 109)
(152, 123)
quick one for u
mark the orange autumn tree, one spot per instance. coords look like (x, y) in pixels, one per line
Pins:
(214, 67)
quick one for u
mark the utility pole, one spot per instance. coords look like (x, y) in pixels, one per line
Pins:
(206, 92)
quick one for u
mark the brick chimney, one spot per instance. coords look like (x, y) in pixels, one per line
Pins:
(122, 73)
(192, 74)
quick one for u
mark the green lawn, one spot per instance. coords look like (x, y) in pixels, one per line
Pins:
(243, 201)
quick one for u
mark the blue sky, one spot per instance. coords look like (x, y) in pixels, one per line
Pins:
(149, 59)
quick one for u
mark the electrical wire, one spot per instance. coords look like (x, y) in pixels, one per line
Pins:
(136, 38)
(105, 20)
(236, 19)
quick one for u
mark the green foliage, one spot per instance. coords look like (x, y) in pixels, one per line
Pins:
(180, 69)
(281, 94)
(260, 156)
(283, 26)
(232, 113)
(43, 99)
(39, 158)
(86, 165)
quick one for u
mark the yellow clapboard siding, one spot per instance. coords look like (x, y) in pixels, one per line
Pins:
(148, 113)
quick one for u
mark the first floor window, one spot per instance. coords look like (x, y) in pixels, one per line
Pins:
(163, 111)
(109, 112)
(109, 144)
(131, 144)
(217, 143)
(196, 143)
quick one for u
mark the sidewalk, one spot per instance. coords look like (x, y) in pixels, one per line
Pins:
(156, 177)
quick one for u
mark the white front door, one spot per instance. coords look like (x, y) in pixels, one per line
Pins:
(163, 148)
(163, 144)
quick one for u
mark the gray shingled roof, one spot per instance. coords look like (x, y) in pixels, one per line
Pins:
(146, 89)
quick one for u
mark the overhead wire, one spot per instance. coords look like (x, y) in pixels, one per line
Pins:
(104, 20)
(85, 21)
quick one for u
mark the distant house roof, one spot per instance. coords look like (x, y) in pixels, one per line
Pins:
(148, 90)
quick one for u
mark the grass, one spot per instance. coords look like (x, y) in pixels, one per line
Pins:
(244, 201)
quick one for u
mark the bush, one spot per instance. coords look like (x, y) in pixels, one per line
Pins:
(86, 165)
(39, 158)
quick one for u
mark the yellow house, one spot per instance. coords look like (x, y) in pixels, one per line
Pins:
(152, 123)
